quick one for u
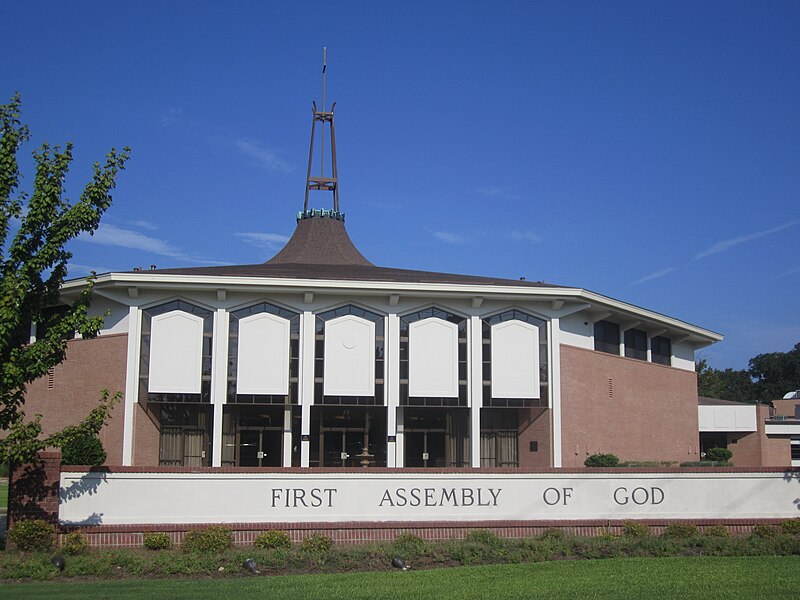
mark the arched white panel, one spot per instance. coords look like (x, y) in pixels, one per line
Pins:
(515, 360)
(433, 358)
(349, 357)
(263, 355)
(176, 353)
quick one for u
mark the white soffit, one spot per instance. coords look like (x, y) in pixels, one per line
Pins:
(433, 359)
(349, 357)
(176, 353)
(263, 355)
(515, 360)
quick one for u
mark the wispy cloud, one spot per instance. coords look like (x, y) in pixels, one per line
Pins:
(726, 245)
(655, 275)
(525, 236)
(111, 235)
(263, 240)
(793, 271)
(172, 116)
(144, 225)
(78, 270)
(449, 237)
(496, 193)
(265, 157)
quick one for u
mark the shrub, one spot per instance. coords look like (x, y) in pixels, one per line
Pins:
(35, 534)
(273, 538)
(317, 542)
(719, 455)
(552, 534)
(678, 531)
(634, 529)
(156, 540)
(791, 526)
(484, 537)
(766, 532)
(409, 544)
(4, 470)
(212, 539)
(75, 543)
(601, 460)
(717, 531)
(83, 449)
(701, 463)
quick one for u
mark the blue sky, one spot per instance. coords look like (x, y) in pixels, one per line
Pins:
(647, 151)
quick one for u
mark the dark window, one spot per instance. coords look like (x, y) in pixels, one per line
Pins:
(319, 357)
(661, 350)
(509, 315)
(294, 355)
(144, 365)
(636, 344)
(438, 313)
(795, 451)
(606, 337)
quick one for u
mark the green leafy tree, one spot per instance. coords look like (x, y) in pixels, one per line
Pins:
(34, 232)
(776, 373)
(727, 384)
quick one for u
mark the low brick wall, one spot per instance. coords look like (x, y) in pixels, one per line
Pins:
(34, 493)
(243, 534)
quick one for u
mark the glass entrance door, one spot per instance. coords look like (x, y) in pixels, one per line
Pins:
(425, 448)
(260, 448)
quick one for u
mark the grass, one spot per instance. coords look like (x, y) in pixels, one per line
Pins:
(3, 493)
(675, 577)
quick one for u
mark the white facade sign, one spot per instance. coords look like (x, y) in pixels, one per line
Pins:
(263, 355)
(349, 357)
(433, 359)
(176, 353)
(515, 360)
(160, 498)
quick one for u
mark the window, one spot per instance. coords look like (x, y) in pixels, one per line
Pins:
(606, 337)
(510, 315)
(376, 398)
(406, 399)
(636, 344)
(661, 350)
(293, 357)
(206, 343)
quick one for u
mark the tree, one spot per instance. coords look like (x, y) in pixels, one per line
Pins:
(776, 373)
(34, 232)
(728, 384)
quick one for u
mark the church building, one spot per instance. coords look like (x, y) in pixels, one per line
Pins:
(319, 358)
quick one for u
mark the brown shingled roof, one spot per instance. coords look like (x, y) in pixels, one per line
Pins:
(319, 240)
(320, 248)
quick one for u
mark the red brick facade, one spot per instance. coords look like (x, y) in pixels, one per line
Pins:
(75, 386)
(631, 408)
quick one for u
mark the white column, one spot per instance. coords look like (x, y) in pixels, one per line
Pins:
(475, 387)
(649, 349)
(555, 387)
(287, 436)
(400, 445)
(219, 381)
(131, 383)
(306, 382)
(622, 341)
(391, 385)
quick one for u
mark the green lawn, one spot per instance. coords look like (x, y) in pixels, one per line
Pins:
(3, 493)
(683, 577)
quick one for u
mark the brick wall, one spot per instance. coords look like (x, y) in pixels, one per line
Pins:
(75, 386)
(634, 409)
(535, 426)
(33, 489)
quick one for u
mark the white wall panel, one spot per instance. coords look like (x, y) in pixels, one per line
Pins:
(433, 358)
(349, 357)
(727, 418)
(515, 360)
(263, 355)
(176, 353)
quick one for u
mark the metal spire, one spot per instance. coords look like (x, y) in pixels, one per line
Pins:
(330, 184)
